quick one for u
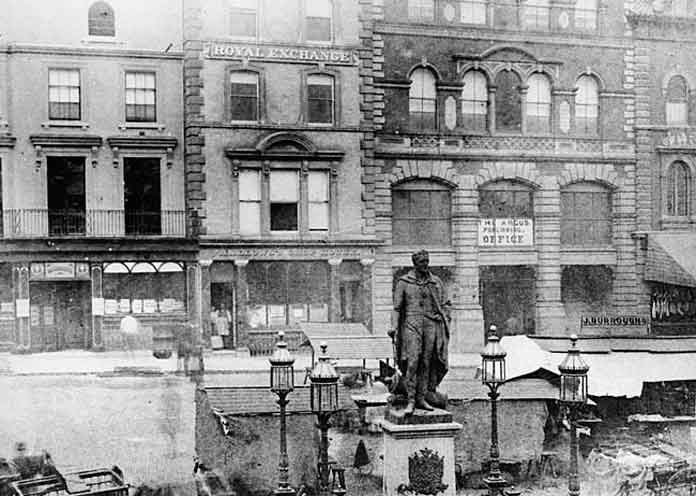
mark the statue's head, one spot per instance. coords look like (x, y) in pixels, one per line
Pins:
(420, 260)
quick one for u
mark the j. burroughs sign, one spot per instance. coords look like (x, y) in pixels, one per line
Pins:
(281, 53)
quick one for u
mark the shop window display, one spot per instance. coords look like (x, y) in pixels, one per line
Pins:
(144, 288)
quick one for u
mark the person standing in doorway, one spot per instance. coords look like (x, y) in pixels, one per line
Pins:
(129, 333)
(222, 325)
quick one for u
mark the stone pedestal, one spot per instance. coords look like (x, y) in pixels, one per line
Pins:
(417, 450)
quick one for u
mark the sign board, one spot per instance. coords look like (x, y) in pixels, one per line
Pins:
(506, 232)
(59, 270)
(612, 320)
(97, 306)
(282, 53)
(22, 307)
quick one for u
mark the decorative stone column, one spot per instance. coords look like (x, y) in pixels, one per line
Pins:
(466, 334)
(335, 289)
(366, 294)
(491, 108)
(241, 297)
(20, 274)
(205, 300)
(550, 315)
(96, 276)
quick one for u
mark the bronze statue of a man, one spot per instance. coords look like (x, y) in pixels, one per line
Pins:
(420, 331)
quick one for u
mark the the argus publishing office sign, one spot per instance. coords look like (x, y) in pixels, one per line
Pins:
(506, 232)
(282, 53)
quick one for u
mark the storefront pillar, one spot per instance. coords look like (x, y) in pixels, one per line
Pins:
(97, 307)
(205, 300)
(241, 296)
(23, 327)
(366, 284)
(335, 289)
(193, 303)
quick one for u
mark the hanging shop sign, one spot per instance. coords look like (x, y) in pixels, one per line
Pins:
(613, 320)
(59, 271)
(506, 232)
(281, 53)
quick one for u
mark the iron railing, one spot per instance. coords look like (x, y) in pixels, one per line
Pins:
(37, 222)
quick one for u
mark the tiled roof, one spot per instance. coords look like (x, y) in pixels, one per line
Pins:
(518, 389)
(245, 400)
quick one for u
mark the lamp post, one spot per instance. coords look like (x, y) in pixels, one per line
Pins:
(323, 393)
(573, 394)
(493, 375)
(282, 383)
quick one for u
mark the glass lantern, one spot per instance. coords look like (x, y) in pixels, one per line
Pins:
(282, 370)
(323, 390)
(493, 360)
(573, 371)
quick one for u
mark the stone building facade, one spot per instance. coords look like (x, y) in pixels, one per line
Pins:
(662, 60)
(91, 131)
(504, 143)
(273, 165)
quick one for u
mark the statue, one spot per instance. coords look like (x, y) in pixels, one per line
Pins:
(420, 332)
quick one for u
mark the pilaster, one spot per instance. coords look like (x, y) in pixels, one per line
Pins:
(96, 274)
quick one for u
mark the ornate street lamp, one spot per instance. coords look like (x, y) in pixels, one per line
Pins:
(282, 383)
(323, 394)
(573, 394)
(493, 375)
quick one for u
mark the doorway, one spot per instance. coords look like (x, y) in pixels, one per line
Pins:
(222, 302)
(508, 298)
(60, 315)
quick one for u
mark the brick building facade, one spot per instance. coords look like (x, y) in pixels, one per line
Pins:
(504, 143)
(273, 152)
(93, 223)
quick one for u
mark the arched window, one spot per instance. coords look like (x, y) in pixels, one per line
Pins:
(474, 101)
(586, 14)
(676, 107)
(506, 200)
(421, 213)
(508, 102)
(536, 14)
(678, 179)
(585, 214)
(538, 104)
(422, 99)
(101, 20)
(586, 106)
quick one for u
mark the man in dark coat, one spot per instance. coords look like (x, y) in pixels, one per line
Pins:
(420, 330)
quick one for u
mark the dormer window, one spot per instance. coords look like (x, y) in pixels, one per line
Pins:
(101, 20)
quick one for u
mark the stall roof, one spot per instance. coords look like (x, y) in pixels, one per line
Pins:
(671, 258)
(347, 341)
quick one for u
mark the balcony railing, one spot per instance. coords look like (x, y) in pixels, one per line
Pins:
(37, 222)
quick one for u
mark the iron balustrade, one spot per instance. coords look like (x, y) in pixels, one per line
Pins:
(106, 223)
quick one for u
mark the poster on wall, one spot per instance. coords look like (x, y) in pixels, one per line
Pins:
(506, 232)
(110, 306)
(35, 318)
(22, 306)
(60, 270)
(276, 315)
(48, 315)
(256, 316)
(97, 306)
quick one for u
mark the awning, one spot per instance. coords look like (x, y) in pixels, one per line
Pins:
(347, 341)
(672, 258)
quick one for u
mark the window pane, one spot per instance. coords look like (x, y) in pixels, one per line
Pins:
(318, 29)
(249, 185)
(284, 186)
(283, 216)
(421, 9)
(318, 216)
(473, 11)
(508, 102)
(320, 99)
(676, 112)
(318, 186)
(421, 216)
(249, 218)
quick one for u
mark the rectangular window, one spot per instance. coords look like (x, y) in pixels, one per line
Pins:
(473, 11)
(66, 195)
(318, 20)
(421, 9)
(318, 198)
(250, 202)
(284, 199)
(320, 99)
(536, 14)
(243, 18)
(141, 196)
(421, 214)
(676, 113)
(64, 94)
(140, 97)
(244, 96)
(585, 217)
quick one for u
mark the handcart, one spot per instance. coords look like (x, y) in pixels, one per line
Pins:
(101, 481)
